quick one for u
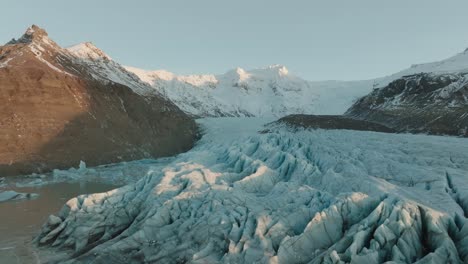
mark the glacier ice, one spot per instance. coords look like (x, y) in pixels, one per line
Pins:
(308, 196)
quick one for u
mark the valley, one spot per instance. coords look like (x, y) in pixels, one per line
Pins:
(106, 163)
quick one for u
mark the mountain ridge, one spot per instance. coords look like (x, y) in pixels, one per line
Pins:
(202, 95)
(434, 103)
(267, 91)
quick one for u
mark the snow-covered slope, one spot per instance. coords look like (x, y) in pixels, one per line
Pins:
(281, 197)
(455, 64)
(97, 63)
(270, 91)
(102, 67)
(435, 102)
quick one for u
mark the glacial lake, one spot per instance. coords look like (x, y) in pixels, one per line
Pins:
(21, 220)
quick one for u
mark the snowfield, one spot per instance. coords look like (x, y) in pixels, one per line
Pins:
(308, 196)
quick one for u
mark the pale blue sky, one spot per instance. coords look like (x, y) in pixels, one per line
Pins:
(316, 40)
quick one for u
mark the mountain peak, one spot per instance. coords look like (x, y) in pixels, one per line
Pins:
(35, 30)
(241, 72)
(280, 69)
(237, 74)
(87, 50)
(33, 34)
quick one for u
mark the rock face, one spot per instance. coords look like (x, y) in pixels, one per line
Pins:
(330, 122)
(56, 110)
(434, 103)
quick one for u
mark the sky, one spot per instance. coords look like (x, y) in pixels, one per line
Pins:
(316, 40)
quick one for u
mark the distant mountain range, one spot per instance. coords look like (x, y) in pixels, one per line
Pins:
(270, 91)
(274, 91)
(425, 98)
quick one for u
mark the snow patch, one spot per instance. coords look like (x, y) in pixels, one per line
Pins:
(5, 63)
(103, 68)
(38, 50)
(87, 50)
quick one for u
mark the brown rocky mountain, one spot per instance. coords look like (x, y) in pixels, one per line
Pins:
(58, 107)
(433, 103)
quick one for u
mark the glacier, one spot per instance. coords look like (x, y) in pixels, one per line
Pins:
(287, 196)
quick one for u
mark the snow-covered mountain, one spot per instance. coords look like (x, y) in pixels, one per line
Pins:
(428, 98)
(271, 91)
(274, 91)
(104, 68)
(455, 64)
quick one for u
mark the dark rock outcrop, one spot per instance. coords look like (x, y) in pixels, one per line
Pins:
(53, 113)
(331, 122)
